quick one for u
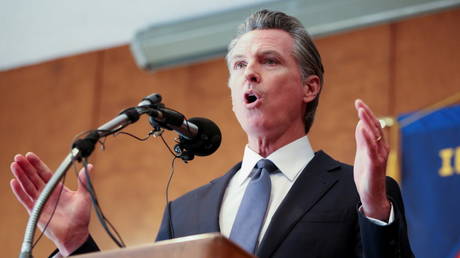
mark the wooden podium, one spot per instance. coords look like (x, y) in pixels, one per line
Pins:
(212, 245)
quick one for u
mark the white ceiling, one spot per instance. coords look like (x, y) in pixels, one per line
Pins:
(36, 31)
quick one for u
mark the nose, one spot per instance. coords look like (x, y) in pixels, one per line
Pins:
(252, 74)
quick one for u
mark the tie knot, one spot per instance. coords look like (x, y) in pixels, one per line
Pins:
(267, 165)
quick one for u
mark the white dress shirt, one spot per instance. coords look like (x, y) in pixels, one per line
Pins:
(291, 160)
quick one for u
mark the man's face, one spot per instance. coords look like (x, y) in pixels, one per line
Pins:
(266, 85)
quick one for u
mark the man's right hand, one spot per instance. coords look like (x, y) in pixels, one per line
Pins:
(68, 228)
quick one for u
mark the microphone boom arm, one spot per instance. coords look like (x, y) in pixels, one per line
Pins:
(198, 136)
(81, 149)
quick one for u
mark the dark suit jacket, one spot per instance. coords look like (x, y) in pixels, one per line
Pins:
(318, 218)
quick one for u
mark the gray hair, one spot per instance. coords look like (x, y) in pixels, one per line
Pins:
(304, 50)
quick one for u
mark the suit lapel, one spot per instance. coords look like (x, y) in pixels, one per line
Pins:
(313, 183)
(211, 202)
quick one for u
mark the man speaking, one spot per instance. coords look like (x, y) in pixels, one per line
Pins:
(283, 199)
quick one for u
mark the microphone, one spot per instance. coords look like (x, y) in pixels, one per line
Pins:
(151, 100)
(197, 136)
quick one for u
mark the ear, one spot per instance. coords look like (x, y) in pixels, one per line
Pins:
(311, 88)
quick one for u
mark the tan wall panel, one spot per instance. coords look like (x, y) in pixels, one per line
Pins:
(42, 108)
(427, 60)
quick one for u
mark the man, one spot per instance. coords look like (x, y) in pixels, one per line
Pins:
(310, 205)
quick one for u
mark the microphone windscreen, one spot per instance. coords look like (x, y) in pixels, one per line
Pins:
(208, 138)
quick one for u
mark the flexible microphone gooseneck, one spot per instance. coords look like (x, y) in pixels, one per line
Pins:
(198, 136)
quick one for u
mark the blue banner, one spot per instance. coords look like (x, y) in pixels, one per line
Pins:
(430, 153)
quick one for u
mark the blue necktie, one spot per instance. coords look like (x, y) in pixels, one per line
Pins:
(253, 207)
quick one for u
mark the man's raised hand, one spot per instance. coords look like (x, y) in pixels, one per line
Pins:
(69, 227)
(370, 164)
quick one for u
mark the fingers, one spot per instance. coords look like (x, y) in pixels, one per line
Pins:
(23, 180)
(371, 122)
(31, 174)
(29, 170)
(371, 131)
(366, 114)
(370, 142)
(43, 171)
(82, 179)
(21, 195)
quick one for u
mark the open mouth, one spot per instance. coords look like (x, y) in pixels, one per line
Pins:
(250, 98)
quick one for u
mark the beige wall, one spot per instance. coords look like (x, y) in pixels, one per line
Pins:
(396, 68)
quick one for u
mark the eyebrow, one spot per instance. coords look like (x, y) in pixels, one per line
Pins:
(271, 52)
(263, 53)
(236, 57)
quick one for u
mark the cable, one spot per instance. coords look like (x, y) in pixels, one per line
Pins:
(52, 213)
(168, 147)
(171, 173)
(100, 215)
(134, 136)
(106, 224)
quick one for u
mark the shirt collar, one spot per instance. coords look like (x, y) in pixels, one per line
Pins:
(290, 159)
